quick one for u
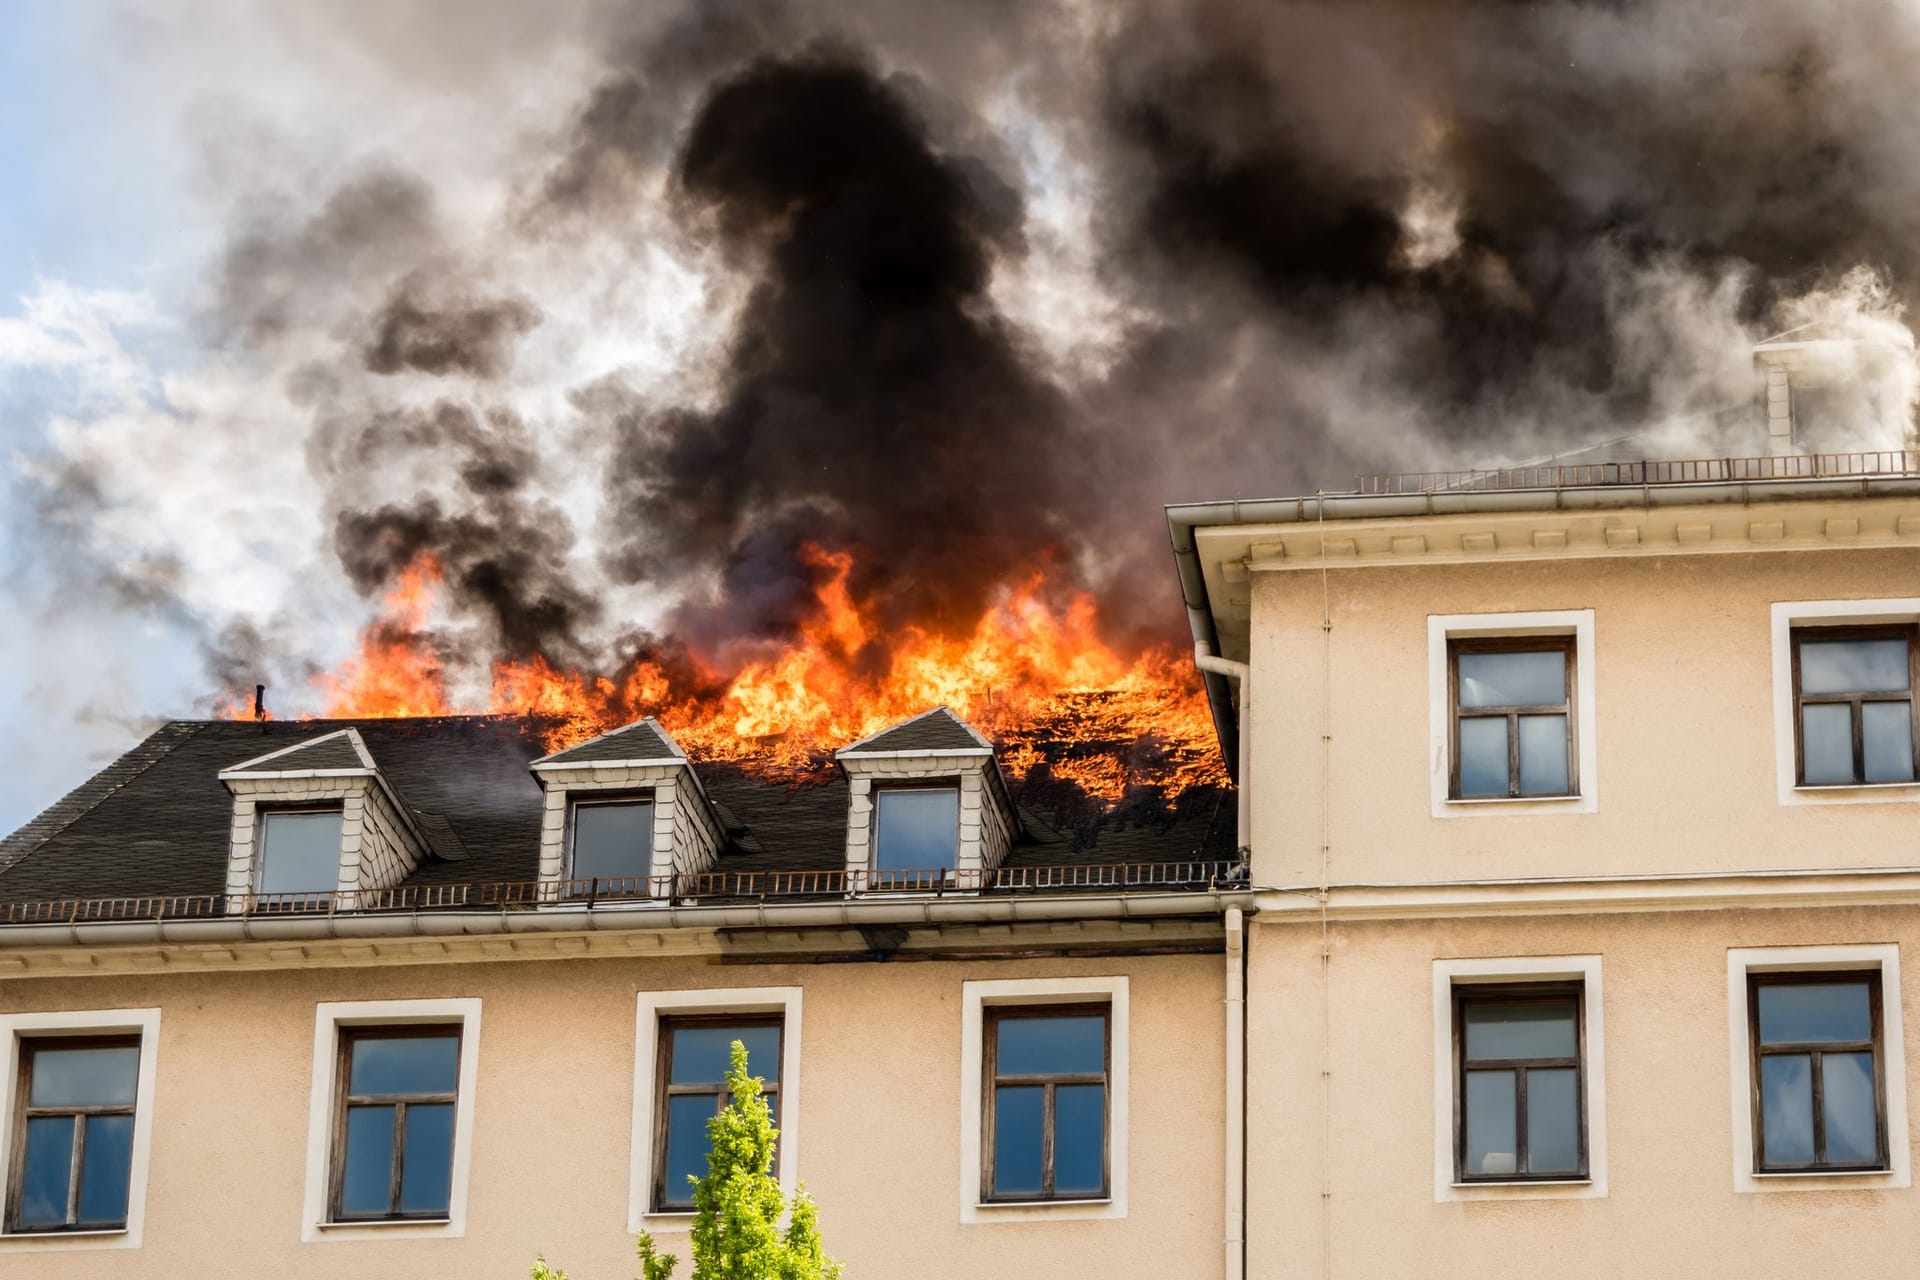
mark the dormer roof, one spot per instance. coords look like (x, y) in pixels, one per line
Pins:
(936, 732)
(341, 754)
(643, 742)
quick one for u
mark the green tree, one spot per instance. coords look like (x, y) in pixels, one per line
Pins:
(737, 1207)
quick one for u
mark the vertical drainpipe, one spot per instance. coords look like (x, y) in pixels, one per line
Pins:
(1235, 1244)
(1236, 1170)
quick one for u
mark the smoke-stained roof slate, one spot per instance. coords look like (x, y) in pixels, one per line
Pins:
(638, 741)
(156, 821)
(936, 730)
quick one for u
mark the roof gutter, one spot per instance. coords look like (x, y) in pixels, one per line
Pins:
(651, 917)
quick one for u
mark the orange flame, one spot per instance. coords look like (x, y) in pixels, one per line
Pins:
(1035, 677)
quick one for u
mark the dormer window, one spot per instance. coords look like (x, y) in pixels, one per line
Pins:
(611, 845)
(299, 851)
(915, 829)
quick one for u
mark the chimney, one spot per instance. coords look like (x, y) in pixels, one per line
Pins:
(1819, 390)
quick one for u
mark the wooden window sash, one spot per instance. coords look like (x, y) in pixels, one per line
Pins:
(665, 1088)
(30, 1048)
(993, 1080)
(1910, 632)
(1567, 707)
(902, 877)
(1465, 994)
(1815, 1051)
(346, 1099)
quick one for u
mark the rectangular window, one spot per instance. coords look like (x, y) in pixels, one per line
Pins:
(74, 1120)
(1819, 1094)
(393, 1132)
(916, 830)
(1045, 1107)
(610, 848)
(299, 851)
(1518, 1096)
(1853, 705)
(1513, 720)
(694, 1055)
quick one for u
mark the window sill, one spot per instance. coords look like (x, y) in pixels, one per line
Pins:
(1844, 788)
(988, 1206)
(382, 1224)
(1522, 1182)
(92, 1233)
(1822, 1173)
(1478, 800)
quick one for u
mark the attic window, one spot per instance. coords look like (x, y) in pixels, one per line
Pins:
(916, 829)
(612, 844)
(299, 851)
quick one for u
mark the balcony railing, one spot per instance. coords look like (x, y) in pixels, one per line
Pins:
(711, 888)
(1797, 466)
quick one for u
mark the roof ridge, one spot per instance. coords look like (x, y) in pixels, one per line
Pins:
(88, 796)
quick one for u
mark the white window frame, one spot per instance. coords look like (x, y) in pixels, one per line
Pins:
(650, 1008)
(16, 1027)
(974, 999)
(328, 1021)
(1742, 961)
(1787, 615)
(1445, 627)
(1585, 970)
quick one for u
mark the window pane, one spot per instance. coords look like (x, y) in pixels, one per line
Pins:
(1520, 1029)
(1490, 1120)
(1543, 755)
(300, 853)
(918, 830)
(367, 1163)
(410, 1064)
(1853, 666)
(1072, 1045)
(1018, 1116)
(700, 1053)
(1513, 679)
(1853, 1130)
(426, 1176)
(1786, 1109)
(1079, 1139)
(103, 1178)
(85, 1077)
(1483, 756)
(46, 1165)
(1826, 743)
(1815, 1012)
(612, 841)
(1886, 730)
(687, 1142)
(1553, 1120)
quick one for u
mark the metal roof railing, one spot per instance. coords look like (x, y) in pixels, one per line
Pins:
(1550, 475)
(713, 887)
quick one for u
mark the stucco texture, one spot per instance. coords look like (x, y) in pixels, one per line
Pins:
(880, 1070)
(1684, 696)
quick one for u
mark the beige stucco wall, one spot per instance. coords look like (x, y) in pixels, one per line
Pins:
(1671, 1209)
(880, 1068)
(1685, 726)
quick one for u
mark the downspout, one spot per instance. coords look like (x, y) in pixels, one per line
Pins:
(1236, 1167)
(1238, 672)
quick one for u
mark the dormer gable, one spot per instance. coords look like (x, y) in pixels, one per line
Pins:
(927, 806)
(623, 812)
(316, 817)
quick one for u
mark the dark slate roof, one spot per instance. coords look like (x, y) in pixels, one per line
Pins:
(155, 822)
(332, 753)
(639, 741)
(936, 730)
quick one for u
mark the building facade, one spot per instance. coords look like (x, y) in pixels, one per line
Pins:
(1560, 922)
